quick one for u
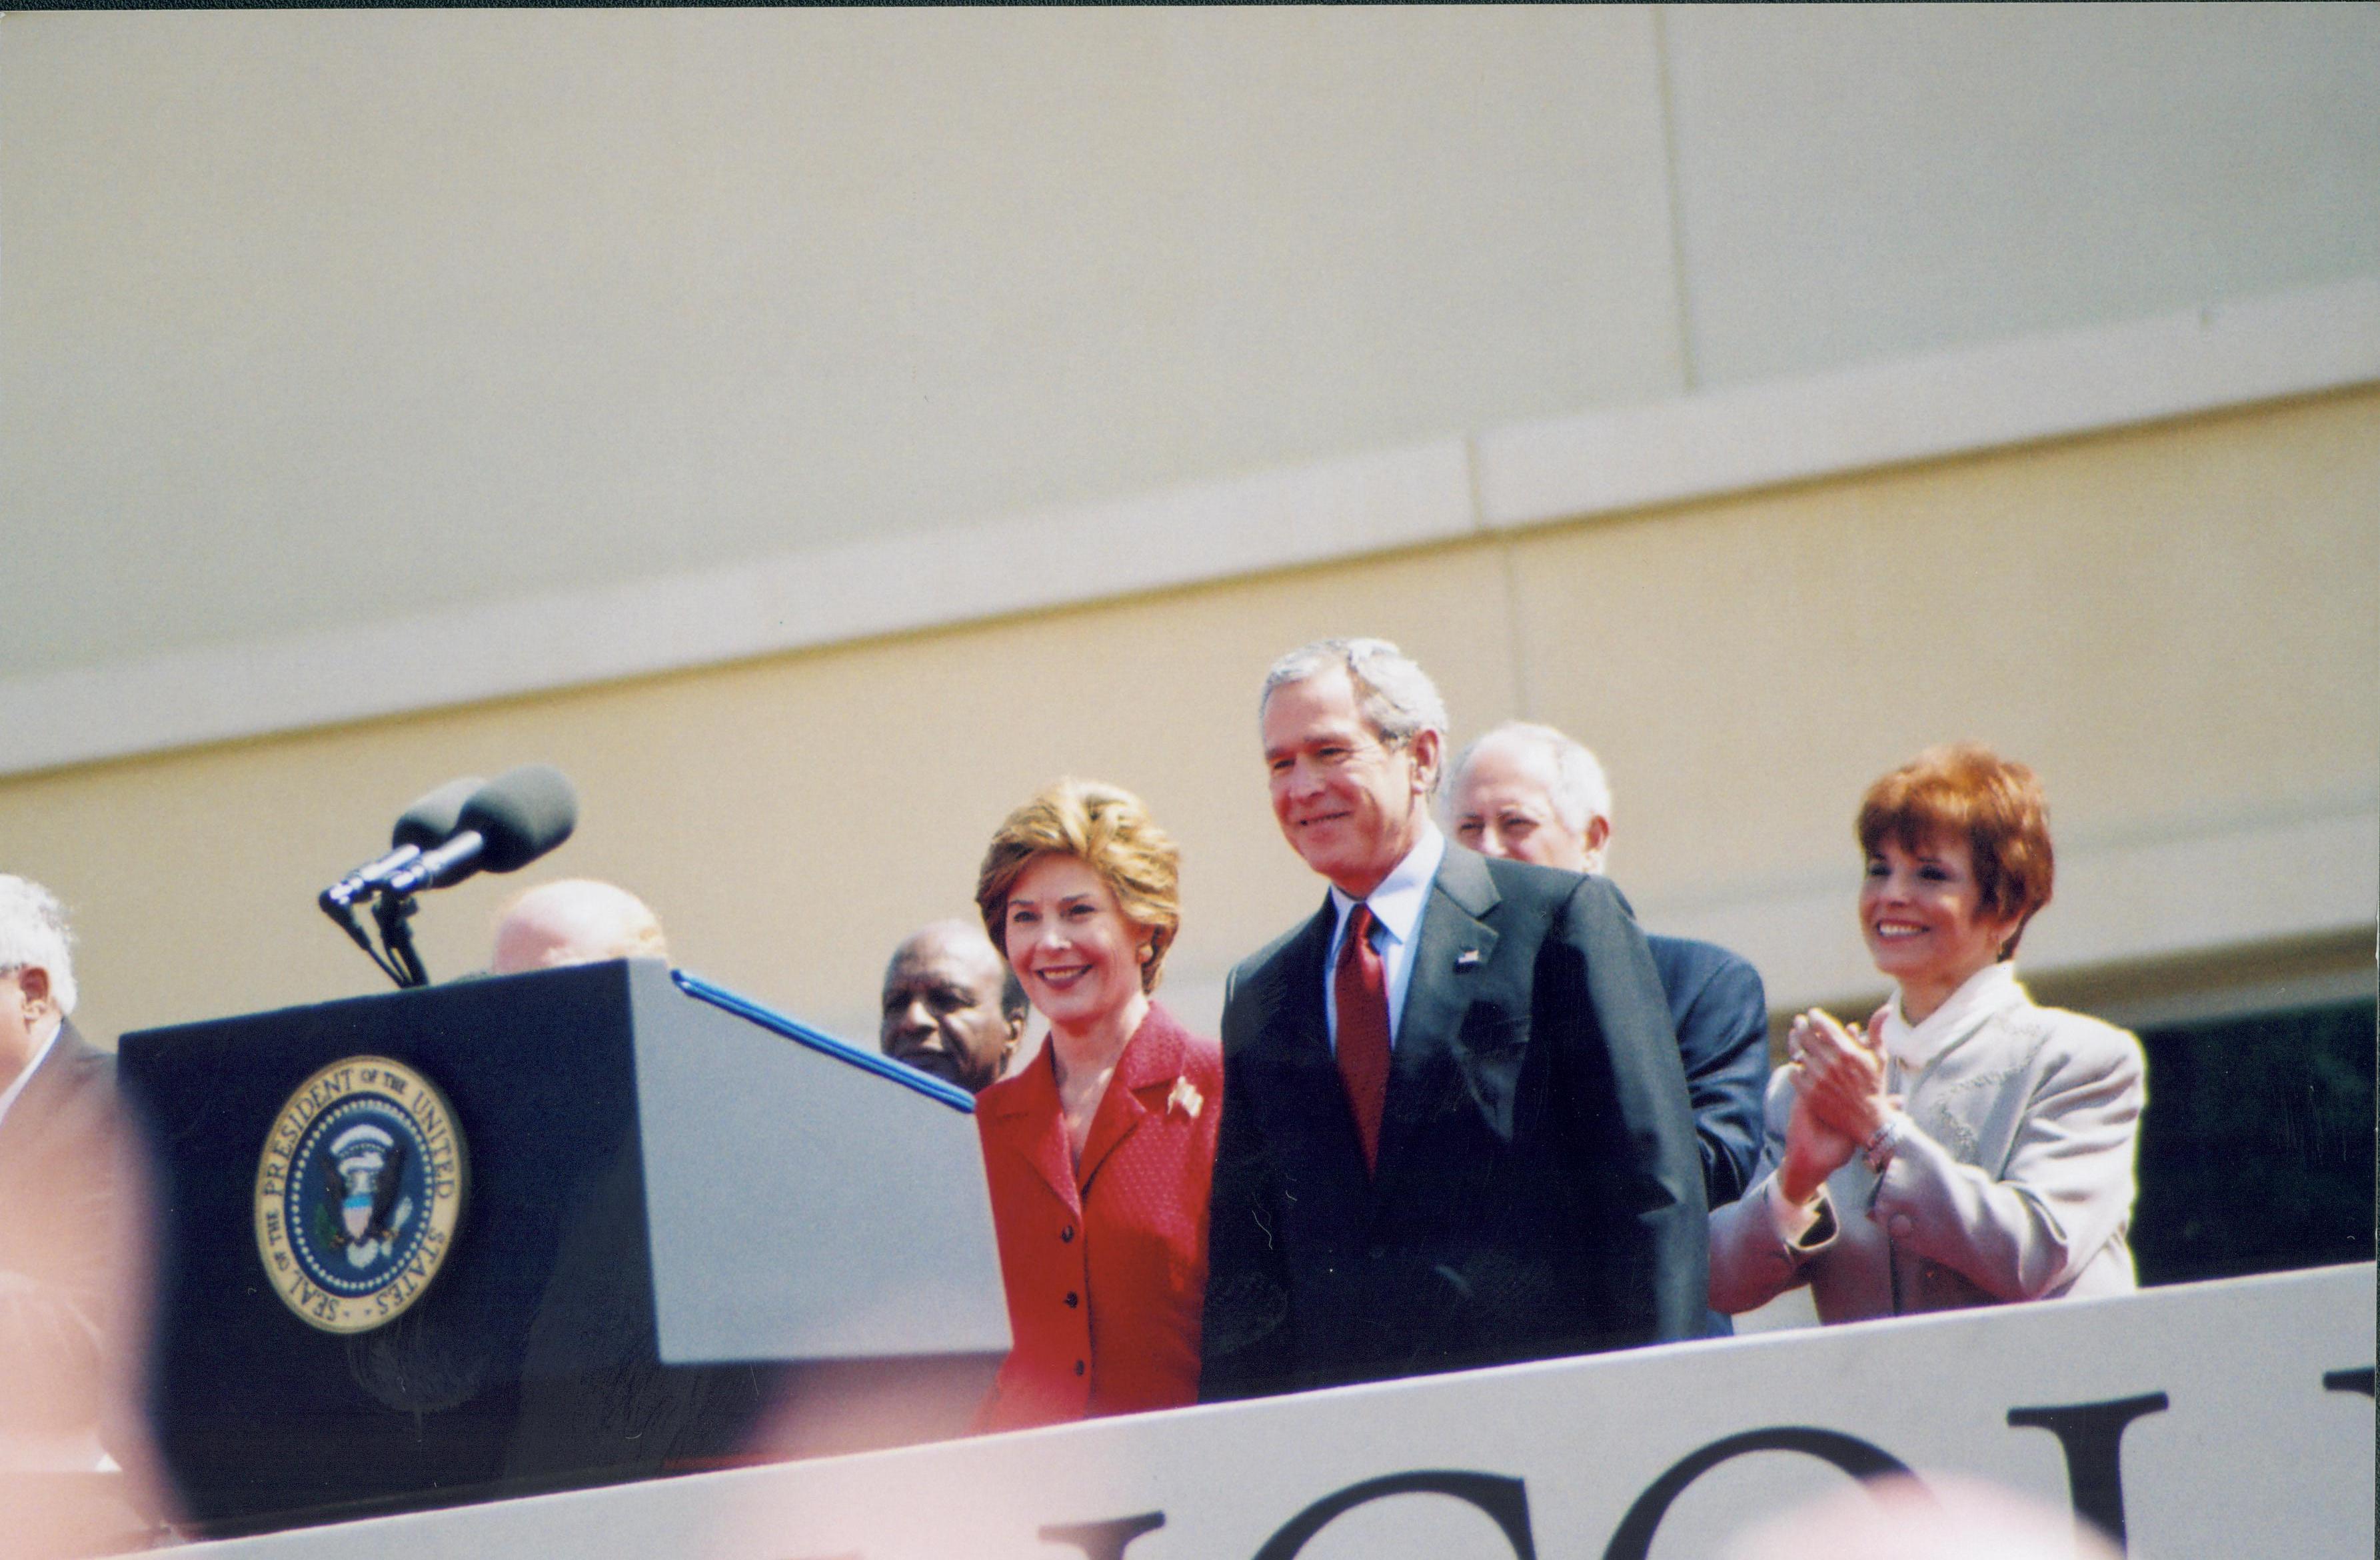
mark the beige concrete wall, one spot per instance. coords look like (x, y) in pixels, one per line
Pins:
(362, 312)
(318, 318)
(1862, 182)
(2179, 626)
(790, 819)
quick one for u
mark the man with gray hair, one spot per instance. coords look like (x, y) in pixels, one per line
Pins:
(1528, 793)
(60, 1174)
(1455, 1130)
(37, 988)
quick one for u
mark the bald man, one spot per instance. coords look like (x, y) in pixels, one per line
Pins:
(577, 921)
(951, 1006)
(1529, 793)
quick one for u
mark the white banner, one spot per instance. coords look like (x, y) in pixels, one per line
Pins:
(2217, 1420)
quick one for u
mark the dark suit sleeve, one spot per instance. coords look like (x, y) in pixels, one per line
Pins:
(1721, 1013)
(1246, 1343)
(1633, 1127)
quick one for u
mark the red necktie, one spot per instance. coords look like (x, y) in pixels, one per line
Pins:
(1360, 987)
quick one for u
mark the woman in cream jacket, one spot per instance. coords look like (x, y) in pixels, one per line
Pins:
(1969, 1147)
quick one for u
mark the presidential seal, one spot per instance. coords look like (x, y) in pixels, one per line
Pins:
(357, 1193)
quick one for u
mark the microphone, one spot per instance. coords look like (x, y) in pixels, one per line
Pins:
(428, 823)
(508, 823)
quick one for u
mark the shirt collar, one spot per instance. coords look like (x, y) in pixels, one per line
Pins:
(1398, 902)
(1985, 992)
(8, 1095)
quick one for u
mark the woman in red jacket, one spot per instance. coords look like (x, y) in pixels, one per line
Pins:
(1099, 1153)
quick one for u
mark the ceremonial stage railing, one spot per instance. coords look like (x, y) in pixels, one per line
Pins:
(436, 1252)
(2232, 1419)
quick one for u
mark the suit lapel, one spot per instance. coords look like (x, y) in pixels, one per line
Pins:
(1451, 950)
(1306, 1030)
(1028, 1122)
(1303, 1105)
(1151, 1061)
(1290, 1029)
(53, 1082)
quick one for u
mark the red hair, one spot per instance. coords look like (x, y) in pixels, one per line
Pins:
(1966, 791)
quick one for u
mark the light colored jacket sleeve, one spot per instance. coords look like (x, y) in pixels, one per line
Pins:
(1753, 1257)
(2065, 1190)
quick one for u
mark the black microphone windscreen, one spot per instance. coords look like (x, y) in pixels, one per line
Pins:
(431, 822)
(520, 815)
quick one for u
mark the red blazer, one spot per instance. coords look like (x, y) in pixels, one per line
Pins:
(1105, 1267)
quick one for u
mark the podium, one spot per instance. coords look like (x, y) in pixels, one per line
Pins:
(542, 1231)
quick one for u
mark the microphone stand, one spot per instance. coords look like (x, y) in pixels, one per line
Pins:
(343, 915)
(404, 966)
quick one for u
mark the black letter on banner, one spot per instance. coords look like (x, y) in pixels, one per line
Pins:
(2347, 1381)
(1633, 1540)
(2093, 1437)
(1504, 1500)
(1104, 1540)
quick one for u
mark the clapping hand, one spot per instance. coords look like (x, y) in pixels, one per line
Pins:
(1839, 1100)
(1840, 1072)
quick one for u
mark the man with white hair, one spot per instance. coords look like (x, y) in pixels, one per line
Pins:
(60, 1174)
(1529, 793)
(37, 988)
(1455, 1130)
(573, 921)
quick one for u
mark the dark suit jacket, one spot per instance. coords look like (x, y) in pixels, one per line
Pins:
(61, 1165)
(1538, 1190)
(1721, 1013)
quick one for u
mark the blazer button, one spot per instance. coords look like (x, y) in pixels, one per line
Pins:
(1073, 1299)
(1900, 1226)
(1078, 1367)
(1066, 1234)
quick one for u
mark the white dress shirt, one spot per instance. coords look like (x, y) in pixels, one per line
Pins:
(1397, 905)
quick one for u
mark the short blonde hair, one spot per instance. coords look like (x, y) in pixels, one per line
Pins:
(1107, 829)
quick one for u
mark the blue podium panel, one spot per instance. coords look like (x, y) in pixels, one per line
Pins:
(666, 1221)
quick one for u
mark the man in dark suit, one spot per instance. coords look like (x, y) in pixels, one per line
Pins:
(1529, 793)
(60, 1172)
(1455, 1129)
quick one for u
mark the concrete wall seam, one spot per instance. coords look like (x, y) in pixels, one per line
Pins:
(1924, 408)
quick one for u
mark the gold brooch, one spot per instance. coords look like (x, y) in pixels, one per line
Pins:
(1185, 1098)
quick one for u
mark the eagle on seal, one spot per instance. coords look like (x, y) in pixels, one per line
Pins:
(362, 1202)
